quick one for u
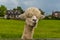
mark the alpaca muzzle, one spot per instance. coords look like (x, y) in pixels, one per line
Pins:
(34, 20)
(34, 23)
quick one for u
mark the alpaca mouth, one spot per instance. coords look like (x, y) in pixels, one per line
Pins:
(34, 24)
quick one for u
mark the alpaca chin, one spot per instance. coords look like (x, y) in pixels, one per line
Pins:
(33, 25)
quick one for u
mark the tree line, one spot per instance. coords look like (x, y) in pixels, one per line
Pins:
(3, 10)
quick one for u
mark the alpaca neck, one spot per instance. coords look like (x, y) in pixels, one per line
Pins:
(28, 32)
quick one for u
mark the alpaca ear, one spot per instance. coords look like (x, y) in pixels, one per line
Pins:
(42, 17)
(22, 16)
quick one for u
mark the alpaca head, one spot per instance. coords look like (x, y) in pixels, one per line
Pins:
(31, 21)
(31, 15)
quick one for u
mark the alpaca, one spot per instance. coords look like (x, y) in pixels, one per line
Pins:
(31, 16)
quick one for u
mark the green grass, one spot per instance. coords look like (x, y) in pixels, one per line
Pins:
(14, 29)
(11, 28)
(48, 29)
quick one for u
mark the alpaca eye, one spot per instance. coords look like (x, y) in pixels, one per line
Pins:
(29, 16)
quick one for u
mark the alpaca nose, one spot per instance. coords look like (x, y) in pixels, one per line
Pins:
(34, 20)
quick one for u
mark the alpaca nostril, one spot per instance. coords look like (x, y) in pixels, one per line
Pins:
(34, 20)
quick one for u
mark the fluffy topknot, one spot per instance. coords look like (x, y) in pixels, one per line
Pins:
(33, 11)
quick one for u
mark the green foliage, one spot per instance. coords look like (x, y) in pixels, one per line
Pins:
(42, 12)
(14, 29)
(2, 10)
(55, 18)
(19, 9)
(48, 17)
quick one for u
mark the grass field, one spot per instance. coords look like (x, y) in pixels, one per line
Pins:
(14, 29)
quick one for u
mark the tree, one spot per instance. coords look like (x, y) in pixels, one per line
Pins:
(14, 9)
(42, 12)
(20, 9)
(2, 10)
